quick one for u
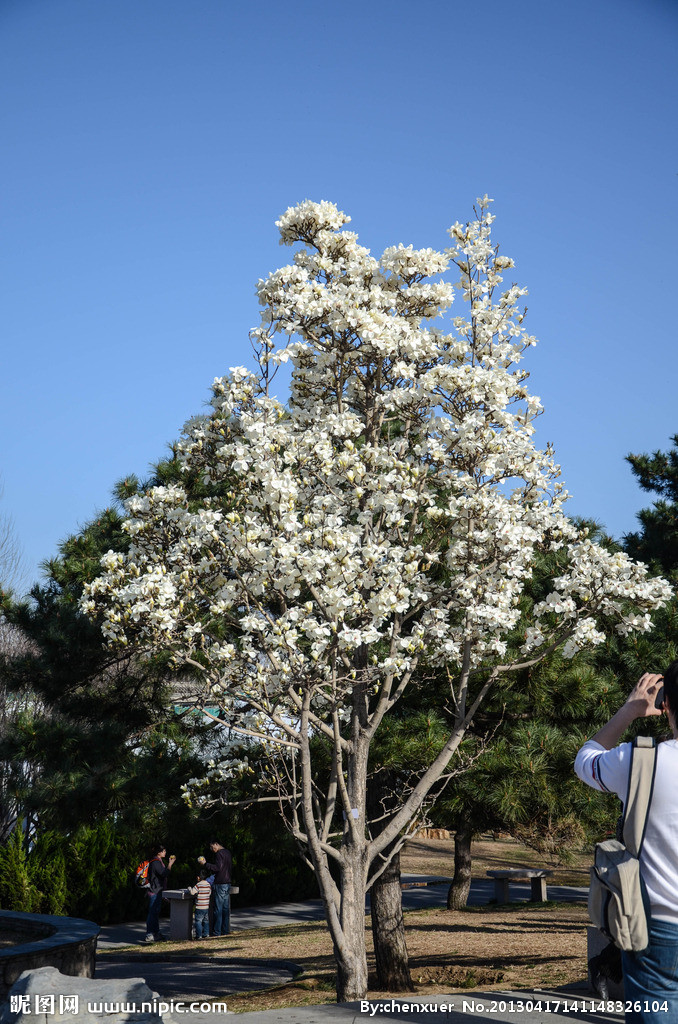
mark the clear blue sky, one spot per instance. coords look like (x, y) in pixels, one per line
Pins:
(149, 146)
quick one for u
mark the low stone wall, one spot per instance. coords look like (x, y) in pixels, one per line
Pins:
(433, 833)
(67, 943)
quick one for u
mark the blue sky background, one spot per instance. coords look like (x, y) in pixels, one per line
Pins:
(149, 146)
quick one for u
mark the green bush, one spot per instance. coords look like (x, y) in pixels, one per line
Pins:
(100, 863)
(47, 866)
(17, 890)
(90, 872)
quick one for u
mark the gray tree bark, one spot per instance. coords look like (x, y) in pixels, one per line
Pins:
(352, 955)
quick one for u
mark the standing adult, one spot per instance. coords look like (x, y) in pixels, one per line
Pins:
(221, 869)
(650, 977)
(158, 874)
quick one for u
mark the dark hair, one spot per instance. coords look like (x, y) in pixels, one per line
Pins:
(671, 689)
(156, 848)
(215, 842)
(205, 873)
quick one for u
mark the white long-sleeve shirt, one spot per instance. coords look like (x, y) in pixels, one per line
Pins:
(608, 771)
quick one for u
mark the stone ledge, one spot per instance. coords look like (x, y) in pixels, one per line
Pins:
(66, 943)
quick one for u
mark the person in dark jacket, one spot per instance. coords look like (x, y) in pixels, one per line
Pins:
(221, 868)
(158, 874)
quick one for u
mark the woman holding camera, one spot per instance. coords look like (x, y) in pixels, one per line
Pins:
(651, 976)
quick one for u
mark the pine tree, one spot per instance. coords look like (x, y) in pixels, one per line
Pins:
(520, 777)
(657, 540)
(105, 748)
(99, 728)
(99, 741)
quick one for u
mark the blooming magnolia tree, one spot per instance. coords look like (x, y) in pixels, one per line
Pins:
(376, 531)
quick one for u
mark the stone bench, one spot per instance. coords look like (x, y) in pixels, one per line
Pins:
(535, 876)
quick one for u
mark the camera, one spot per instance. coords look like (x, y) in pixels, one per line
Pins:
(659, 700)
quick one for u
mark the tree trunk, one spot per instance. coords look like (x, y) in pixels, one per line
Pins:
(351, 955)
(388, 925)
(351, 979)
(388, 931)
(457, 895)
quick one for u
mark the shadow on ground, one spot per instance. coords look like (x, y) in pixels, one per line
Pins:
(195, 976)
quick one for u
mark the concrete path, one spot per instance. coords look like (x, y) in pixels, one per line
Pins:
(274, 915)
(547, 1006)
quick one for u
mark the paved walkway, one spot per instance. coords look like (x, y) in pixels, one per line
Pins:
(546, 1006)
(274, 915)
(198, 978)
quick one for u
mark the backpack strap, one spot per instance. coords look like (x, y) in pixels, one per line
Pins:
(641, 784)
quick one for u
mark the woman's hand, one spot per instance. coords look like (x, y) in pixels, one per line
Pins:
(640, 703)
(641, 700)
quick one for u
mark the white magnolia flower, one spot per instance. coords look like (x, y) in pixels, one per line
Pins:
(379, 529)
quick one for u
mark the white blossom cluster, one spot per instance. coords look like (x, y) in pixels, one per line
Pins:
(220, 772)
(389, 517)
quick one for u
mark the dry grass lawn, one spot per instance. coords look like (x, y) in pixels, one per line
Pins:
(519, 946)
(436, 857)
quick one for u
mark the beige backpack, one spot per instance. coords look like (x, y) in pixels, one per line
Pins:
(617, 898)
